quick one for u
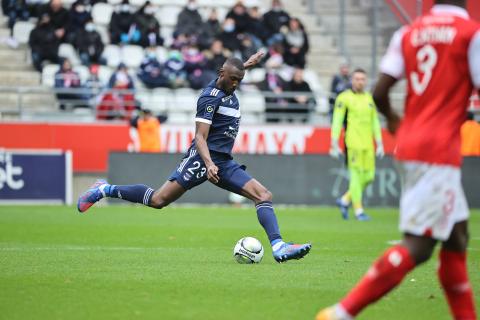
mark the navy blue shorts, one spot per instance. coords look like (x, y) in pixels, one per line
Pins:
(192, 171)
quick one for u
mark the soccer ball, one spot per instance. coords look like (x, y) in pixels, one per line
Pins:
(248, 250)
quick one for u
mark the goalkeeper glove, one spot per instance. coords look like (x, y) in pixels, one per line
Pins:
(335, 151)
(380, 152)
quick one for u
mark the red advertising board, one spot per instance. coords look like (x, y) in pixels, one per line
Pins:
(91, 143)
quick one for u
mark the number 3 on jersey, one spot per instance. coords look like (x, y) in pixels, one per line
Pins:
(427, 58)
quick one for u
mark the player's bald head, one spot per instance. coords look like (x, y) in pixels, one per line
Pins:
(459, 3)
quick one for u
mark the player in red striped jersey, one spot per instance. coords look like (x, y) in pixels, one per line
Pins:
(439, 55)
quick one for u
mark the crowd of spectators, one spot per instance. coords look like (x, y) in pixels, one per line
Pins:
(197, 50)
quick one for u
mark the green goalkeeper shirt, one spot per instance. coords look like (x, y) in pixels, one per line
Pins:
(362, 120)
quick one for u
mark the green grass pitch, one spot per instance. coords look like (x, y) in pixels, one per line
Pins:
(127, 262)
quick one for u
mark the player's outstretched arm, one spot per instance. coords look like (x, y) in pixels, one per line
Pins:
(382, 100)
(201, 134)
(254, 59)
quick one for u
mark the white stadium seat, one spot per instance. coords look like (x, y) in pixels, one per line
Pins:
(311, 78)
(104, 74)
(255, 75)
(137, 3)
(112, 54)
(114, 2)
(162, 99)
(21, 31)
(167, 34)
(66, 50)
(162, 54)
(167, 15)
(102, 13)
(103, 31)
(185, 100)
(83, 72)
(132, 55)
(251, 102)
(48, 74)
(180, 117)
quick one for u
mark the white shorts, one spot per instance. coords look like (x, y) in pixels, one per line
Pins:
(432, 200)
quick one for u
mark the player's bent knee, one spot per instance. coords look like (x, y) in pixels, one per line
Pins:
(265, 195)
(158, 202)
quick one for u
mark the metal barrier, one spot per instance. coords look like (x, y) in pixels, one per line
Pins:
(82, 104)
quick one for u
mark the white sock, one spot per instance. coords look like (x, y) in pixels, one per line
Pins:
(358, 211)
(344, 202)
(341, 313)
(277, 245)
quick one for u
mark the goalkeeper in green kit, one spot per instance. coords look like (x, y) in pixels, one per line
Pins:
(362, 128)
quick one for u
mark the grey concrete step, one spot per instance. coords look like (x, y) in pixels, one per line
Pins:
(19, 78)
(11, 55)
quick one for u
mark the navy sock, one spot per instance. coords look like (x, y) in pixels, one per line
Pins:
(268, 220)
(138, 193)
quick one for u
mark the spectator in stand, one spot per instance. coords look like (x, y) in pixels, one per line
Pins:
(149, 26)
(189, 20)
(256, 26)
(209, 31)
(248, 46)
(145, 132)
(301, 104)
(118, 103)
(59, 17)
(79, 16)
(274, 20)
(470, 133)
(240, 15)
(196, 66)
(228, 36)
(296, 44)
(15, 9)
(181, 40)
(216, 56)
(340, 83)
(122, 25)
(175, 70)
(276, 104)
(151, 71)
(89, 45)
(44, 42)
(93, 85)
(67, 82)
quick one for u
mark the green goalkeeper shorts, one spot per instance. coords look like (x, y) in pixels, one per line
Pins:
(362, 159)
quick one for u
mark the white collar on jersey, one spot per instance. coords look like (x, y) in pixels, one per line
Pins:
(450, 9)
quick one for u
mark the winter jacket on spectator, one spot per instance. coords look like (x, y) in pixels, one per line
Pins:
(189, 19)
(240, 15)
(67, 79)
(43, 43)
(175, 70)
(59, 16)
(209, 31)
(296, 44)
(151, 72)
(256, 26)
(275, 18)
(148, 26)
(122, 26)
(79, 15)
(229, 36)
(216, 56)
(89, 44)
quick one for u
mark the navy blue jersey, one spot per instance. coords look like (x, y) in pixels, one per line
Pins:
(222, 112)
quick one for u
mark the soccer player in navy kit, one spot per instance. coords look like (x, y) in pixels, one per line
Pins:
(209, 157)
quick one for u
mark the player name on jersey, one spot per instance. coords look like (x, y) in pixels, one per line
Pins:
(433, 35)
